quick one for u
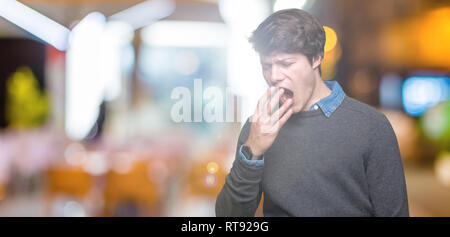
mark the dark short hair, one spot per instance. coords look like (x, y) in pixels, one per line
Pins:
(290, 31)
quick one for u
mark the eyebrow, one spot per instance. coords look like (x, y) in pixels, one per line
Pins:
(278, 60)
(283, 59)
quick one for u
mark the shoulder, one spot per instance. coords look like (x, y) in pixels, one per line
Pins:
(359, 110)
(366, 120)
(374, 128)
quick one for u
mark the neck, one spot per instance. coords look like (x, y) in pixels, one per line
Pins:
(321, 91)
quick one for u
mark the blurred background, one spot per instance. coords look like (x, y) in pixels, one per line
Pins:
(89, 90)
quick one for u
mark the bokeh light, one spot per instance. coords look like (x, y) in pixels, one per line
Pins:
(423, 92)
(210, 180)
(406, 131)
(436, 124)
(442, 168)
(331, 39)
(73, 209)
(212, 167)
(286, 4)
(75, 154)
(186, 63)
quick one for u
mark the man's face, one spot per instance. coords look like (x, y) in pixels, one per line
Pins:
(292, 72)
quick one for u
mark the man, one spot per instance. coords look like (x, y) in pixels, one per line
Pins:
(321, 153)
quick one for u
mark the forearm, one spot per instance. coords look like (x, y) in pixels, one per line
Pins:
(241, 193)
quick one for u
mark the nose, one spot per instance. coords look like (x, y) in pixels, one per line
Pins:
(277, 75)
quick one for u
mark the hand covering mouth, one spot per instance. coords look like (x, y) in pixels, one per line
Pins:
(288, 94)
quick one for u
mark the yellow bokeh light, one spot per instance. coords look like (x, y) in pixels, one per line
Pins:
(212, 167)
(330, 61)
(331, 38)
(442, 168)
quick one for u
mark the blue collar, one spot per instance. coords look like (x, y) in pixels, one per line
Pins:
(330, 103)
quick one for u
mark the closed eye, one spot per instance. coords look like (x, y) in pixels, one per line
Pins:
(286, 64)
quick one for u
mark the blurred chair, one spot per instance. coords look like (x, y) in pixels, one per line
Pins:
(132, 188)
(68, 181)
(76, 182)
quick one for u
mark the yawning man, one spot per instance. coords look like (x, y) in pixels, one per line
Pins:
(309, 148)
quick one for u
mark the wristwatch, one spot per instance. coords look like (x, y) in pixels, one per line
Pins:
(248, 153)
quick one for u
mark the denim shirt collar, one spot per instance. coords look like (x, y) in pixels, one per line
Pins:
(330, 103)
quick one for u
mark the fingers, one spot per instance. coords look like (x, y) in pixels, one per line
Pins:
(278, 125)
(265, 121)
(263, 100)
(261, 108)
(279, 114)
(274, 101)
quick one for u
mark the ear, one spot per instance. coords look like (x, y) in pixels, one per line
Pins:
(317, 60)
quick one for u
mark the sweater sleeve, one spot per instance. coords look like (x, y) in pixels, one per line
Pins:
(384, 169)
(241, 193)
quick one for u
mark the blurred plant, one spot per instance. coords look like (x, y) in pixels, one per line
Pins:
(26, 104)
(436, 124)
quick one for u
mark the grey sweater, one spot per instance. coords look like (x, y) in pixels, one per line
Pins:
(345, 165)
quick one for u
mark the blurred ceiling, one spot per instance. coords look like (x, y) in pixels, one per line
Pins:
(394, 33)
(67, 12)
(104, 1)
